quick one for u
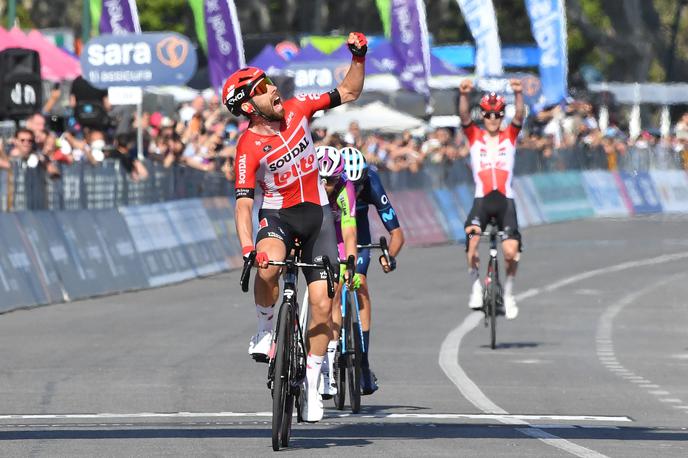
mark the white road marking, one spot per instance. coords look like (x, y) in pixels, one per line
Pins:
(414, 416)
(604, 333)
(449, 352)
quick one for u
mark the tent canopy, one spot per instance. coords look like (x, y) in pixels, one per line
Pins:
(375, 116)
(269, 60)
(56, 64)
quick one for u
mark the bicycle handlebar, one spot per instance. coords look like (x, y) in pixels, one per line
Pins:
(246, 271)
(324, 264)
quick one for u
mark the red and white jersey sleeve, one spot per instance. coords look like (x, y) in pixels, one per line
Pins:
(493, 168)
(284, 164)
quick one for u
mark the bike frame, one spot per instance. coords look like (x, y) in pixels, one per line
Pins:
(343, 331)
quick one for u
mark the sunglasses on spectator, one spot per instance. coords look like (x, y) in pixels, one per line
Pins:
(493, 114)
(261, 87)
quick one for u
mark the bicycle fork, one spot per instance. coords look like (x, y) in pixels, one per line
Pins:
(343, 331)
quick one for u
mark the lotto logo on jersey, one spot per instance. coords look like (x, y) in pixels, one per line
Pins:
(306, 165)
(298, 149)
(263, 223)
(304, 97)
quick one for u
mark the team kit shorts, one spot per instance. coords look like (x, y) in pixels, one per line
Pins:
(312, 225)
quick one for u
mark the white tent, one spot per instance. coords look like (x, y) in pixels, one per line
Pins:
(375, 116)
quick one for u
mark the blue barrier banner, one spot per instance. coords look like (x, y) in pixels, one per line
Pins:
(125, 263)
(42, 250)
(449, 206)
(562, 196)
(672, 187)
(466, 194)
(87, 245)
(527, 205)
(417, 217)
(69, 267)
(604, 194)
(195, 235)
(20, 286)
(156, 242)
(221, 213)
(640, 192)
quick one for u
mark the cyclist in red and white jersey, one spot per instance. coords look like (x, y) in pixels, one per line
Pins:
(492, 153)
(278, 154)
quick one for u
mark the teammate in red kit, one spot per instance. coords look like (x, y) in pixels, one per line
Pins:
(492, 152)
(278, 154)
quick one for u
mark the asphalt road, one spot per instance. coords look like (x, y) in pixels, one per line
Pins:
(595, 365)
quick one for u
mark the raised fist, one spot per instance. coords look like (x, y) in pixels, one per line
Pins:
(358, 44)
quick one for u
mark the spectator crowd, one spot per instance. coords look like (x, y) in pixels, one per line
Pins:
(202, 135)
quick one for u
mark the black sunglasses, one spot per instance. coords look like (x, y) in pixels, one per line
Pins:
(493, 115)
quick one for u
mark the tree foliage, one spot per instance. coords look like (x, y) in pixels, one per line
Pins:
(627, 40)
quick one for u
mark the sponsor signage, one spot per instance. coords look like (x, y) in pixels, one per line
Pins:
(125, 95)
(147, 59)
(309, 78)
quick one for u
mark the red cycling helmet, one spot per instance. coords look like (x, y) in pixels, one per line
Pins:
(241, 86)
(492, 103)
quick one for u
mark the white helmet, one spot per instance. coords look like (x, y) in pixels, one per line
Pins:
(355, 164)
(329, 161)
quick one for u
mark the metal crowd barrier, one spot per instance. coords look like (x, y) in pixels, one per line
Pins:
(107, 185)
(533, 161)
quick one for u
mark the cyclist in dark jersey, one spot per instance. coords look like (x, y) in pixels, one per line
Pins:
(369, 191)
(277, 153)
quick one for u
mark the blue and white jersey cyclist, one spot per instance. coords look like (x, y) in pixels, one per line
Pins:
(369, 191)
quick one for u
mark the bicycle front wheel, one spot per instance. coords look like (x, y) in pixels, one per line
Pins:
(340, 378)
(280, 387)
(492, 299)
(354, 360)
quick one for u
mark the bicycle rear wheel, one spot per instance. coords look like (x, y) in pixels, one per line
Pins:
(354, 356)
(280, 387)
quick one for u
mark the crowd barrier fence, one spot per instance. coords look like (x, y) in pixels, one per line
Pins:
(51, 256)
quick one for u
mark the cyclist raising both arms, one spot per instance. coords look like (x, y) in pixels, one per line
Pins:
(277, 152)
(492, 159)
(369, 191)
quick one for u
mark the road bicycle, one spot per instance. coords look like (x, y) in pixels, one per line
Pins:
(493, 300)
(351, 343)
(287, 359)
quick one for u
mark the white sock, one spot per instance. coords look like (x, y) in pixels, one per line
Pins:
(474, 273)
(509, 285)
(265, 317)
(313, 366)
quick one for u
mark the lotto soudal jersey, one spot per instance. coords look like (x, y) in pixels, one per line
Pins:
(284, 164)
(493, 167)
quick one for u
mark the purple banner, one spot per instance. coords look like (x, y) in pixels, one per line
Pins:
(225, 47)
(411, 43)
(119, 17)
